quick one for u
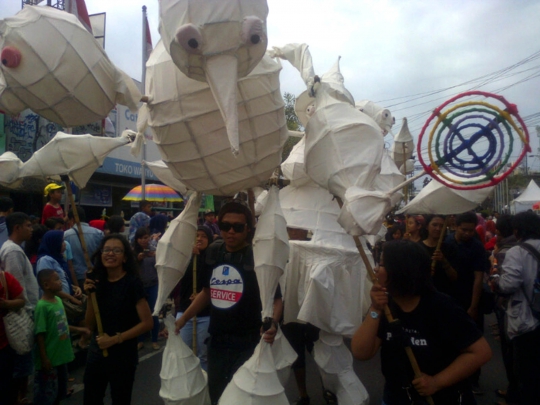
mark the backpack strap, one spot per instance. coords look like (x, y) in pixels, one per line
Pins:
(536, 254)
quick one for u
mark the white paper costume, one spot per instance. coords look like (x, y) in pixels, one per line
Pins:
(343, 145)
(217, 42)
(270, 250)
(183, 382)
(10, 167)
(77, 156)
(54, 66)
(191, 134)
(175, 248)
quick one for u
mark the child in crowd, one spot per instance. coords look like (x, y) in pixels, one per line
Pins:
(54, 349)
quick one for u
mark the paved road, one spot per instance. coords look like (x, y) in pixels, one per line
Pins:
(147, 383)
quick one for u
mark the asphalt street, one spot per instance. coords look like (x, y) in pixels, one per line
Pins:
(147, 382)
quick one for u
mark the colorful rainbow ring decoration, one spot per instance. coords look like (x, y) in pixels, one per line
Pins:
(467, 144)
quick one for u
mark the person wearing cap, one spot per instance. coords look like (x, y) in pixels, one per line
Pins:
(53, 209)
(210, 222)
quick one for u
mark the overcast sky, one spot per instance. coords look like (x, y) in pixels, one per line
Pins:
(390, 50)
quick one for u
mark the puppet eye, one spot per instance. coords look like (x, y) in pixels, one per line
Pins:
(10, 57)
(252, 31)
(310, 110)
(190, 38)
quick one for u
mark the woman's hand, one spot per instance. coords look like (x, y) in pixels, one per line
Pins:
(196, 250)
(105, 341)
(179, 324)
(379, 297)
(270, 334)
(140, 256)
(89, 286)
(74, 300)
(437, 256)
(77, 292)
(426, 385)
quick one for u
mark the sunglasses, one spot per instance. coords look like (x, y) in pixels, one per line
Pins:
(237, 228)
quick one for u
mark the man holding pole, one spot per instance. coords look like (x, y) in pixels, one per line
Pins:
(231, 287)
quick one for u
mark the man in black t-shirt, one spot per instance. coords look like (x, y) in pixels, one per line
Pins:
(231, 288)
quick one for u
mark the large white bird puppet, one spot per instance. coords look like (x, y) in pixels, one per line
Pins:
(54, 66)
(192, 137)
(217, 42)
(344, 146)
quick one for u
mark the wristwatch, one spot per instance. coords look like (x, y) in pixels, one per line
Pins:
(374, 314)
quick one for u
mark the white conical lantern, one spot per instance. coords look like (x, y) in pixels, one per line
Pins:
(183, 381)
(335, 363)
(403, 146)
(270, 250)
(191, 135)
(175, 248)
(75, 155)
(55, 67)
(256, 382)
(284, 356)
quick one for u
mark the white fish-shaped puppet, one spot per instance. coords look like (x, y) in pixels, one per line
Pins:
(217, 42)
(54, 66)
(191, 134)
(344, 146)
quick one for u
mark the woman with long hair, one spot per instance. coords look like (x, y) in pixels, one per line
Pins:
(125, 315)
(446, 342)
(146, 258)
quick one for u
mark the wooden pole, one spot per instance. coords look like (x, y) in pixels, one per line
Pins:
(194, 319)
(93, 298)
(439, 244)
(387, 312)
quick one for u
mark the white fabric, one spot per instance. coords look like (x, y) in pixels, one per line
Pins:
(64, 74)
(284, 356)
(10, 167)
(183, 381)
(382, 116)
(326, 287)
(78, 156)
(403, 146)
(530, 196)
(270, 250)
(160, 169)
(293, 167)
(436, 198)
(191, 135)
(225, 52)
(175, 248)
(389, 178)
(335, 364)
(256, 382)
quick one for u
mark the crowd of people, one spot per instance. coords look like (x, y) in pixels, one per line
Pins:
(438, 276)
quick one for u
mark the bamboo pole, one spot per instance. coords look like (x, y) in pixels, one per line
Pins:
(387, 312)
(439, 244)
(93, 298)
(194, 319)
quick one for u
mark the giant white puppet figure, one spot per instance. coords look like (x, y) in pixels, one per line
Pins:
(54, 66)
(217, 42)
(344, 146)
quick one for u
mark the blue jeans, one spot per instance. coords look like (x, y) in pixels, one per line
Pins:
(202, 334)
(151, 296)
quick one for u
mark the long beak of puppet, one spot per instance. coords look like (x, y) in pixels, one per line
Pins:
(222, 77)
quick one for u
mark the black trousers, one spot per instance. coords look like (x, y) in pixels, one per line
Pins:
(101, 373)
(226, 354)
(526, 350)
(8, 393)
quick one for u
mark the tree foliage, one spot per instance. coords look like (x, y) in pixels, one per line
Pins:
(293, 124)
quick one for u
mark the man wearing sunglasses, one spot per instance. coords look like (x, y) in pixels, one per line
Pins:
(230, 286)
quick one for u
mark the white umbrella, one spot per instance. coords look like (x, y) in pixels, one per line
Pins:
(217, 43)
(256, 382)
(270, 250)
(77, 156)
(55, 67)
(183, 381)
(10, 167)
(175, 248)
(192, 137)
(436, 198)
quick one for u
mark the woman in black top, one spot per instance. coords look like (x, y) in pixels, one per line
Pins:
(125, 315)
(183, 296)
(445, 340)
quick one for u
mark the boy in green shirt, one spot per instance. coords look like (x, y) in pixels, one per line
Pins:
(54, 349)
